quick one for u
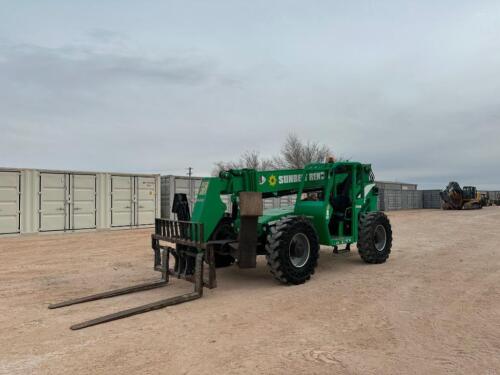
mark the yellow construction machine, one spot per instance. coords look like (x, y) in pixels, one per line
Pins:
(456, 198)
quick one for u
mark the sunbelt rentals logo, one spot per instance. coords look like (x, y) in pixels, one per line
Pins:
(272, 180)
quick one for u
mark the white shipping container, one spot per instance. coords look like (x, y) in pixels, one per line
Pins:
(10, 188)
(67, 201)
(34, 201)
(133, 200)
(146, 198)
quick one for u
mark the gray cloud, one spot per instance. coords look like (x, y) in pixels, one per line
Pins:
(80, 67)
(106, 36)
(411, 89)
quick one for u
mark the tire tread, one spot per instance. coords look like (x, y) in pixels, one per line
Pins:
(275, 246)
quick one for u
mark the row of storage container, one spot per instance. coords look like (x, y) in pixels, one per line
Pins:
(431, 199)
(400, 199)
(43, 200)
(390, 200)
(494, 195)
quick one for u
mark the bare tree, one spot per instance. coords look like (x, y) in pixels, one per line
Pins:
(294, 154)
(249, 159)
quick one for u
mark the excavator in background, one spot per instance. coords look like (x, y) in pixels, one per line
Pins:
(456, 198)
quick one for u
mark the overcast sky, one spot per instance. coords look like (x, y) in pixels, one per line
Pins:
(412, 87)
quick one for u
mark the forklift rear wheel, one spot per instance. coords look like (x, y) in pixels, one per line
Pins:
(375, 237)
(292, 250)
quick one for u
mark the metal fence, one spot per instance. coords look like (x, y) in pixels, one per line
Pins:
(390, 199)
(431, 199)
(494, 195)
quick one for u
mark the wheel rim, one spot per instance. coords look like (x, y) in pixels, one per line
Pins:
(380, 237)
(299, 250)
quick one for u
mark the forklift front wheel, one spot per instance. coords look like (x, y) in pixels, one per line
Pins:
(292, 250)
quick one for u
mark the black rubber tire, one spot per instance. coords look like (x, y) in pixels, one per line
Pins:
(279, 236)
(368, 222)
(223, 231)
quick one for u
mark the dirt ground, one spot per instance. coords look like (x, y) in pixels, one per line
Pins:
(433, 308)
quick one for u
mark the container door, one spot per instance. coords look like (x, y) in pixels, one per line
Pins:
(83, 201)
(122, 190)
(54, 201)
(9, 202)
(146, 200)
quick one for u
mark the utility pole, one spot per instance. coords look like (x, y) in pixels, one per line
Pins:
(190, 173)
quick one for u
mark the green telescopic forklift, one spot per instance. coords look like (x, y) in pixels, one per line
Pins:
(335, 204)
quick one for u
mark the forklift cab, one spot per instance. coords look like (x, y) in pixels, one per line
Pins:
(335, 206)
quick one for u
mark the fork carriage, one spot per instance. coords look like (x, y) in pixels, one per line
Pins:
(186, 236)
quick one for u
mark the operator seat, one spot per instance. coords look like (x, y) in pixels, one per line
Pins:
(343, 200)
(340, 204)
